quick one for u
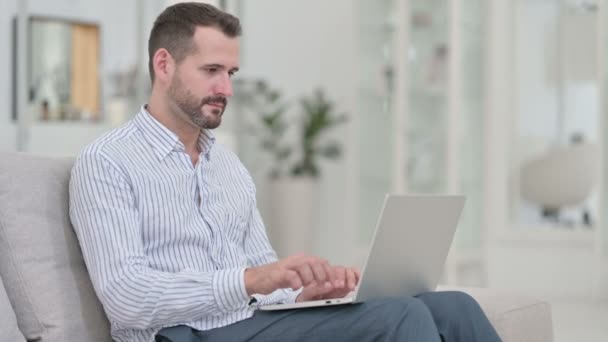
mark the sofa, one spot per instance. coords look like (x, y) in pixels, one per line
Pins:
(45, 292)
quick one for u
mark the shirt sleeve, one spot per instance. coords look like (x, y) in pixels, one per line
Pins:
(104, 214)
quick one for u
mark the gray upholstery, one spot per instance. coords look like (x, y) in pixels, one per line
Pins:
(8, 322)
(48, 285)
(40, 261)
(515, 317)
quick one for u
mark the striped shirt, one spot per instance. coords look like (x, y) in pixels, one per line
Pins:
(166, 242)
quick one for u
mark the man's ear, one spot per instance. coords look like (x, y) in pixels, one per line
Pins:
(164, 65)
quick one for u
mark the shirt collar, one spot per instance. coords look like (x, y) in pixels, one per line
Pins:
(163, 140)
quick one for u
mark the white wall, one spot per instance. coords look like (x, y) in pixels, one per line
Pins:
(118, 22)
(8, 138)
(7, 132)
(298, 46)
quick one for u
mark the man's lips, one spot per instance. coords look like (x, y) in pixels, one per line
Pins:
(216, 105)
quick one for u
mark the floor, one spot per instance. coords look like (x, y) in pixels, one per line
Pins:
(579, 320)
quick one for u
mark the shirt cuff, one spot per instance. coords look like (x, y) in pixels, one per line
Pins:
(229, 289)
(280, 296)
(291, 298)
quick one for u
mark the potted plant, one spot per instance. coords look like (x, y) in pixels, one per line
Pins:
(295, 144)
(317, 118)
(269, 124)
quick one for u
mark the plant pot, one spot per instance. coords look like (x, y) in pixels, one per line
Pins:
(293, 215)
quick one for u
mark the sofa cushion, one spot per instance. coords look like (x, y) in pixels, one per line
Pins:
(40, 260)
(516, 318)
(8, 321)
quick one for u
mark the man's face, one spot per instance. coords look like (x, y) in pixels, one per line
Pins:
(201, 84)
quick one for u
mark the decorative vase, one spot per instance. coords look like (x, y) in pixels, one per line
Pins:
(293, 215)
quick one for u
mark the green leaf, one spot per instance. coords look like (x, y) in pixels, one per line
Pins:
(332, 150)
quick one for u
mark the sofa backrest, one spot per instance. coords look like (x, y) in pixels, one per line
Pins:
(8, 321)
(40, 260)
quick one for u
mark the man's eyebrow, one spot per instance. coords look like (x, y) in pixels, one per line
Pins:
(219, 66)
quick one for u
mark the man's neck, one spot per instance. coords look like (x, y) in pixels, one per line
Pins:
(187, 133)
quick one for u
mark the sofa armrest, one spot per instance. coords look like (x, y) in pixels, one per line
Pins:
(516, 318)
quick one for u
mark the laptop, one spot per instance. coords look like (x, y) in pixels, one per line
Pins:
(408, 250)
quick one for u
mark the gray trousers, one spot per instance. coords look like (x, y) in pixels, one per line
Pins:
(429, 317)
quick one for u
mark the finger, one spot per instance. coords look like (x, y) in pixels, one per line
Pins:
(296, 261)
(319, 272)
(315, 291)
(322, 289)
(329, 271)
(340, 273)
(357, 275)
(337, 293)
(292, 280)
(350, 279)
(306, 274)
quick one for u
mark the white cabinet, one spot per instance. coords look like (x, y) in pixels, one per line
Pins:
(419, 130)
(442, 112)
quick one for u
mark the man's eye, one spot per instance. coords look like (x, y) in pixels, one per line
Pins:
(231, 73)
(212, 70)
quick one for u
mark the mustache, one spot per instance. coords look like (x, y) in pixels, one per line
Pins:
(215, 99)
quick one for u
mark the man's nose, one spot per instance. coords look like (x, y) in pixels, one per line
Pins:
(224, 86)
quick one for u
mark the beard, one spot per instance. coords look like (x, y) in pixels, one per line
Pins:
(194, 109)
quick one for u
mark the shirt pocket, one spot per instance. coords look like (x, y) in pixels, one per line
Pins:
(237, 213)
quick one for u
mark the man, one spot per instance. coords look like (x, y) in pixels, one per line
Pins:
(171, 235)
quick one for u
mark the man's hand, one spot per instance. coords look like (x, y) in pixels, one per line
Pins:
(345, 280)
(293, 272)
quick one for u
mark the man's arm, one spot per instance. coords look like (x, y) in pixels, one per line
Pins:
(104, 215)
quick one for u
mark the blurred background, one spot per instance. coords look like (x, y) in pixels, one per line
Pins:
(340, 102)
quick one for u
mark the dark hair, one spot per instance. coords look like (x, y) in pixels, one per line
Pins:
(175, 26)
